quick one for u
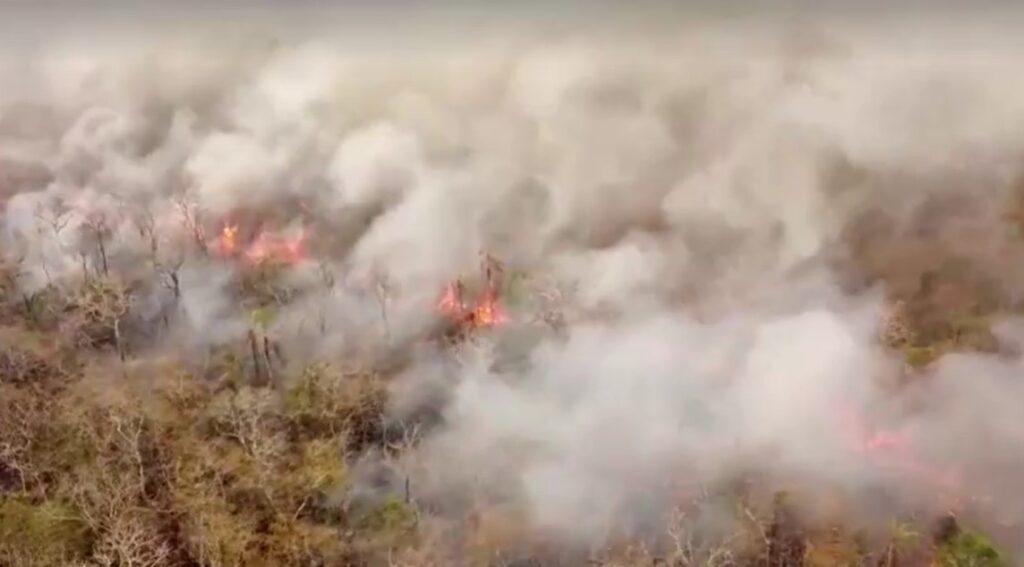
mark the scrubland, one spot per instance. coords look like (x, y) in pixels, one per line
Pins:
(743, 299)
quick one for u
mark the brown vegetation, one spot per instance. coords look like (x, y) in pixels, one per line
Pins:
(223, 467)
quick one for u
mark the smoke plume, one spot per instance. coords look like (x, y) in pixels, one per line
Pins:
(701, 229)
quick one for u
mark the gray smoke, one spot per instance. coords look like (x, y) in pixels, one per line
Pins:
(679, 197)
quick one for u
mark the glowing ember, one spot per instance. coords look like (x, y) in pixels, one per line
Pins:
(288, 250)
(486, 312)
(226, 243)
(450, 304)
(284, 248)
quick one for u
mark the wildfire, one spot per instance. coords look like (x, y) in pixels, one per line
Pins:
(287, 249)
(450, 304)
(895, 450)
(226, 242)
(486, 312)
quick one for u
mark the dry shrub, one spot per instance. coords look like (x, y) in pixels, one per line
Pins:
(259, 286)
(19, 367)
(245, 492)
(10, 295)
(94, 313)
(326, 402)
(45, 534)
(30, 358)
(832, 548)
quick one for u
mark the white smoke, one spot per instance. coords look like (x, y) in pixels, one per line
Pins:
(687, 190)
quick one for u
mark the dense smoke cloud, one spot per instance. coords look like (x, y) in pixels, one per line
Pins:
(687, 200)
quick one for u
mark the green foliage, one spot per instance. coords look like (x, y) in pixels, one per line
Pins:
(301, 399)
(232, 474)
(42, 308)
(391, 517)
(262, 317)
(94, 309)
(967, 332)
(259, 286)
(516, 289)
(921, 356)
(326, 403)
(50, 529)
(227, 366)
(903, 533)
(322, 466)
(974, 332)
(969, 549)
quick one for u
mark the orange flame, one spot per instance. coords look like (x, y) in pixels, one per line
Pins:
(486, 312)
(226, 243)
(285, 249)
(450, 304)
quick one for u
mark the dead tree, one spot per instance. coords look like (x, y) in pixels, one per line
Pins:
(382, 291)
(98, 226)
(259, 377)
(190, 217)
(787, 545)
(56, 218)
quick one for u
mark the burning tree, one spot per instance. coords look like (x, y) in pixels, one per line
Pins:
(486, 311)
(286, 247)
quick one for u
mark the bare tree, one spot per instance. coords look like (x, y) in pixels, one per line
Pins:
(191, 219)
(56, 218)
(98, 226)
(260, 378)
(145, 223)
(245, 417)
(113, 504)
(329, 281)
(382, 289)
(16, 440)
(127, 542)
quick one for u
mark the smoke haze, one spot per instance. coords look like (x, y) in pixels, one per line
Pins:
(718, 214)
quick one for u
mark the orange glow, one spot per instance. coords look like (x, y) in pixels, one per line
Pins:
(285, 249)
(226, 243)
(450, 304)
(486, 312)
(895, 450)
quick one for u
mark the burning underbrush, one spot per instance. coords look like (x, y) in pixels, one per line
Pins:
(350, 442)
(284, 247)
(557, 308)
(358, 436)
(310, 449)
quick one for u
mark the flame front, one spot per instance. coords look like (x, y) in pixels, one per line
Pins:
(450, 304)
(287, 250)
(486, 312)
(227, 241)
